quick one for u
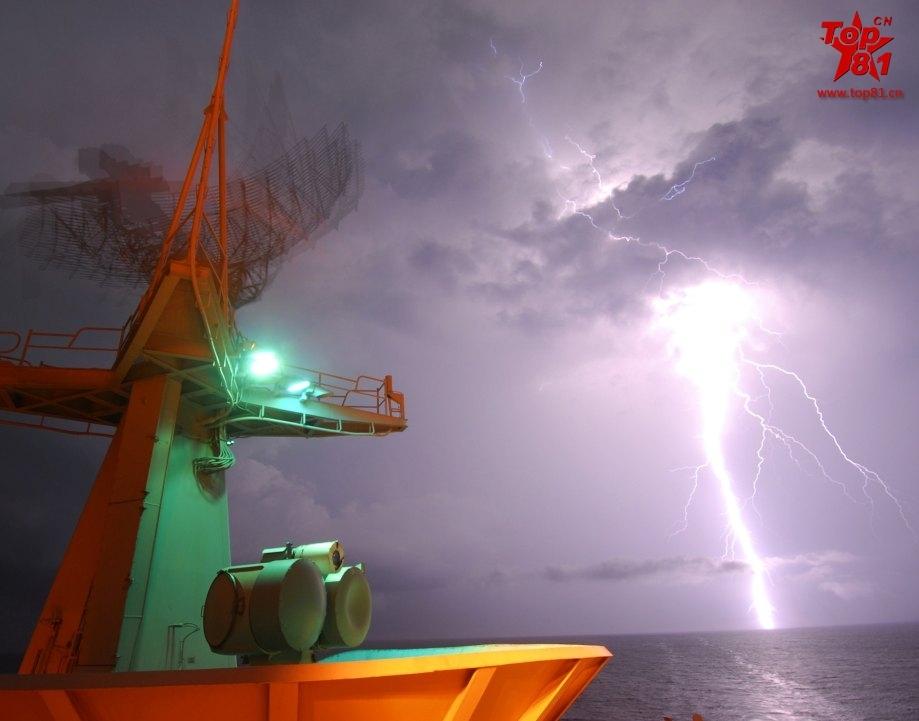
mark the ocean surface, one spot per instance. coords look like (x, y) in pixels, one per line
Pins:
(853, 673)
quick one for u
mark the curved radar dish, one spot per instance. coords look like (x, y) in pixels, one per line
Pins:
(110, 229)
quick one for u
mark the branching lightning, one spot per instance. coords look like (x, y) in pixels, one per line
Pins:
(708, 327)
(869, 477)
(522, 78)
(680, 188)
(520, 81)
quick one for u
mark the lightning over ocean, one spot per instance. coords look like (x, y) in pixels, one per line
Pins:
(720, 346)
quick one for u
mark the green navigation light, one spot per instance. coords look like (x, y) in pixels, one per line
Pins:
(263, 364)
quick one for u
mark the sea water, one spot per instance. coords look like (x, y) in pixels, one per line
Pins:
(854, 673)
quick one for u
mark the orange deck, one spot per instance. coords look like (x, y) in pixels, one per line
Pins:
(500, 683)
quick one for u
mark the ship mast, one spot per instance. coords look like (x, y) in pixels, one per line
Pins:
(154, 530)
(212, 133)
(220, 335)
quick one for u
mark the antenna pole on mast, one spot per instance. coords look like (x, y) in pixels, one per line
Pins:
(212, 130)
(224, 281)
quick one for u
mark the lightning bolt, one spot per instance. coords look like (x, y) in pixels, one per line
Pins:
(708, 326)
(870, 478)
(786, 440)
(522, 78)
(520, 81)
(680, 188)
(696, 477)
(667, 253)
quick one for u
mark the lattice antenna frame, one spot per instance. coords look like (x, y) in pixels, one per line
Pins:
(111, 230)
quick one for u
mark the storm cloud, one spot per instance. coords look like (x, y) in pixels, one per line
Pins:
(677, 569)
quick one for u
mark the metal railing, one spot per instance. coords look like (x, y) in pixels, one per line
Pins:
(89, 339)
(368, 393)
(365, 392)
(58, 425)
(17, 339)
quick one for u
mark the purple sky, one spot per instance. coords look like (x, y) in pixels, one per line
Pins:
(534, 492)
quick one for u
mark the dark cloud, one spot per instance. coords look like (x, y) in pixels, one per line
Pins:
(397, 575)
(677, 569)
(443, 263)
(741, 212)
(449, 162)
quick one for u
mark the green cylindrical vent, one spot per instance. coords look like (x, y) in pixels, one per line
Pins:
(226, 611)
(287, 606)
(348, 608)
(266, 608)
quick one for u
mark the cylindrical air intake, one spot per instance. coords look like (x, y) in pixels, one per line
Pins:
(267, 608)
(327, 555)
(348, 608)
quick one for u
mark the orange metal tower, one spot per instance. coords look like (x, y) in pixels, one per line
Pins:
(178, 390)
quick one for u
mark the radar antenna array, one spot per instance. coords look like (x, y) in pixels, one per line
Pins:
(111, 230)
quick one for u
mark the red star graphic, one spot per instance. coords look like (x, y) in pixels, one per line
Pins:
(848, 51)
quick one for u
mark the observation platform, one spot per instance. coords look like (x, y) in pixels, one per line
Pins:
(80, 382)
(54, 381)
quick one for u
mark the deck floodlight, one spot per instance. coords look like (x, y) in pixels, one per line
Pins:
(263, 364)
(299, 386)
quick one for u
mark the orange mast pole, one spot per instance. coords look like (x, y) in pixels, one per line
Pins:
(222, 199)
(204, 143)
(213, 118)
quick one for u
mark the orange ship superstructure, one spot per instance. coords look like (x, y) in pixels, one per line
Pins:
(147, 618)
